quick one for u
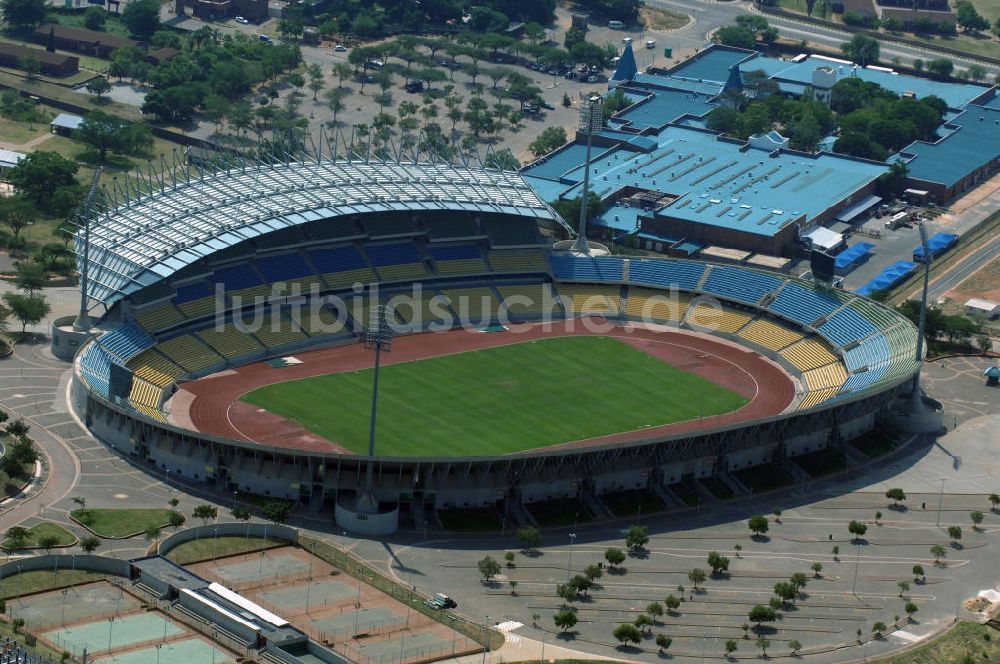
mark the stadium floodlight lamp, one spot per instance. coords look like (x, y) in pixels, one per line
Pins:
(591, 120)
(378, 336)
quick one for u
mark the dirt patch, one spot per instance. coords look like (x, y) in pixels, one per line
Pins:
(663, 19)
(984, 283)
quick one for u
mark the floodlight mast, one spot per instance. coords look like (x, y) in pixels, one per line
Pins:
(378, 336)
(82, 322)
(591, 120)
(915, 393)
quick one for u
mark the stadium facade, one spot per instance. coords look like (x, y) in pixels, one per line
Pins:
(171, 271)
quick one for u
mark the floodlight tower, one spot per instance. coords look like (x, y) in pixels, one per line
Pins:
(591, 120)
(82, 322)
(915, 400)
(378, 336)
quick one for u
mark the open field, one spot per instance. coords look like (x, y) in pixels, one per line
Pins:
(980, 642)
(121, 523)
(514, 398)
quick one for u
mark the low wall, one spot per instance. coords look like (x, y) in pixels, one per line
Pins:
(384, 523)
(269, 530)
(101, 564)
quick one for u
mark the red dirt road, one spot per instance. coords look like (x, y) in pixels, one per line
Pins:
(211, 404)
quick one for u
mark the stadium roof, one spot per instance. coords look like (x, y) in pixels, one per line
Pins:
(711, 64)
(972, 141)
(152, 237)
(793, 77)
(718, 181)
(660, 107)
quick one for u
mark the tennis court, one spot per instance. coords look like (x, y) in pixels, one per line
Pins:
(188, 651)
(267, 567)
(72, 605)
(415, 646)
(318, 594)
(365, 621)
(110, 635)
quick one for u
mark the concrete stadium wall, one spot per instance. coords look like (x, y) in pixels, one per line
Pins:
(213, 617)
(248, 529)
(808, 443)
(100, 564)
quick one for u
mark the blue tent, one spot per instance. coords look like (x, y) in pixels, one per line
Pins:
(853, 254)
(888, 277)
(938, 244)
(626, 69)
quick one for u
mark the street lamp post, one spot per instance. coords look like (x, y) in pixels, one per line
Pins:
(591, 120)
(378, 336)
(940, 502)
(486, 642)
(857, 564)
(569, 563)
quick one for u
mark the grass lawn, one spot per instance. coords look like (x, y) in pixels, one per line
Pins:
(980, 642)
(499, 400)
(46, 529)
(40, 580)
(212, 547)
(17, 132)
(627, 503)
(121, 523)
(663, 19)
(481, 518)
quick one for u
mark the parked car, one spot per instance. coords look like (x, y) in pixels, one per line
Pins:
(626, 40)
(651, 43)
(241, 20)
(265, 38)
(592, 78)
(416, 85)
(440, 601)
(546, 105)
(340, 48)
(376, 64)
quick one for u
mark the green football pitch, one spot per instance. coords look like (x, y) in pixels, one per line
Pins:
(499, 400)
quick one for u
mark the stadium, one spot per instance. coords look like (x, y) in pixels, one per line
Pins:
(230, 310)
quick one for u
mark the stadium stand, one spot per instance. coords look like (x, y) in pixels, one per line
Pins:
(740, 285)
(648, 304)
(289, 267)
(457, 259)
(154, 368)
(803, 305)
(127, 341)
(195, 299)
(396, 262)
(874, 312)
(95, 366)
(832, 375)
(341, 267)
(870, 353)
(240, 281)
(770, 335)
(808, 354)
(845, 326)
(810, 399)
(518, 261)
(528, 301)
(189, 353)
(156, 318)
(325, 322)
(230, 342)
(277, 330)
(684, 275)
(710, 317)
(859, 381)
(587, 268)
(511, 232)
(473, 305)
(451, 227)
(418, 312)
(588, 300)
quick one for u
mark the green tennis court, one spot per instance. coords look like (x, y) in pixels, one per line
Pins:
(189, 651)
(105, 635)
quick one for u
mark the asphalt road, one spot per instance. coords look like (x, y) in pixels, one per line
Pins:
(964, 268)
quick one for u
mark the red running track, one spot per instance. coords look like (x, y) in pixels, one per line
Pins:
(211, 404)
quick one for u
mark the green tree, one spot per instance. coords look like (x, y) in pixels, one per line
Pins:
(938, 552)
(663, 642)
(733, 35)
(39, 174)
(89, 544)
(529, 537)
(763, 644)
(31, 66)
(626, 633)
(857, 529)
(17, 213)
(799, 580)
(785, 591)
(565, 619)
(176, 520)
(98, 86)
(896, 495)
(614, 556)
(758, 524)
(970, 19)
(994, 501)
(696, 576)
(731, 647)
(22, 14)
(205, 512)
(918, 571)
(878, 629)
(672, 603)
(16, 537)
(862, 49)
(761, 614)
(509, 557)
(940, 68)
(488, 568)
(48, 542)
(817, 567)
(142, 17)
(28, 309)
(276, 511)
(593, 572)
(643, 622)
(152, 533)
(910, 609)
(550, 139)
(94, 18)
(977, 518)
(794, 646)
(903, 586)
(718, 562)
(636, 538)
(955, 533)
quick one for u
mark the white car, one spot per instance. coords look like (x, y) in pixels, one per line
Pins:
(241, 20)
(340, 48)
(651, 44)
(626, 40)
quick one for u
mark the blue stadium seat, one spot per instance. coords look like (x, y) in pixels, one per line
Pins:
(283, 266)
(856, 382)
(803, 305)
(871, 353)
(588, 268)
(845, 326)
(96, 366)
(127, 341)
(665, 273)
(336, 259)
(236, 277)
(393, 254)
(454, 252)
(191, 292)
(738, 284)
